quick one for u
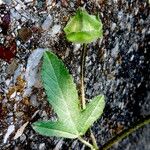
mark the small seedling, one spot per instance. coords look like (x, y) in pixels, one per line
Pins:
(74, 118)
(73, 122)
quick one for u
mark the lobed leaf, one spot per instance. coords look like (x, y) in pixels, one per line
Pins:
(62, 95)
(92, 112)
(49, 128)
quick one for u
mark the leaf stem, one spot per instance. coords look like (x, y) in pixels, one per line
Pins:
(126, 132)
(86, 143)
(83, 56)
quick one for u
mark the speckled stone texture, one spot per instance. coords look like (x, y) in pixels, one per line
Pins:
(117, 66)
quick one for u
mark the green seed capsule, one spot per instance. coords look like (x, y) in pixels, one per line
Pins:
(83, 28)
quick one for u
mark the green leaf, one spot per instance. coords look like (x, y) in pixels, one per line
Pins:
(63, 96)
(83, 28)
(61, 90)
(49, 128)
(92, 112)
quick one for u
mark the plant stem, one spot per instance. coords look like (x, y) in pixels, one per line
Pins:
(126, 132)
(82, 90)
(83, 56)
(86, 143)
(93, 140)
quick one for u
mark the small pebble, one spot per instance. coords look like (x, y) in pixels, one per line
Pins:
(55, 30)
(13, 95)
(42, 146)
(10, 129)
(47, 23)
